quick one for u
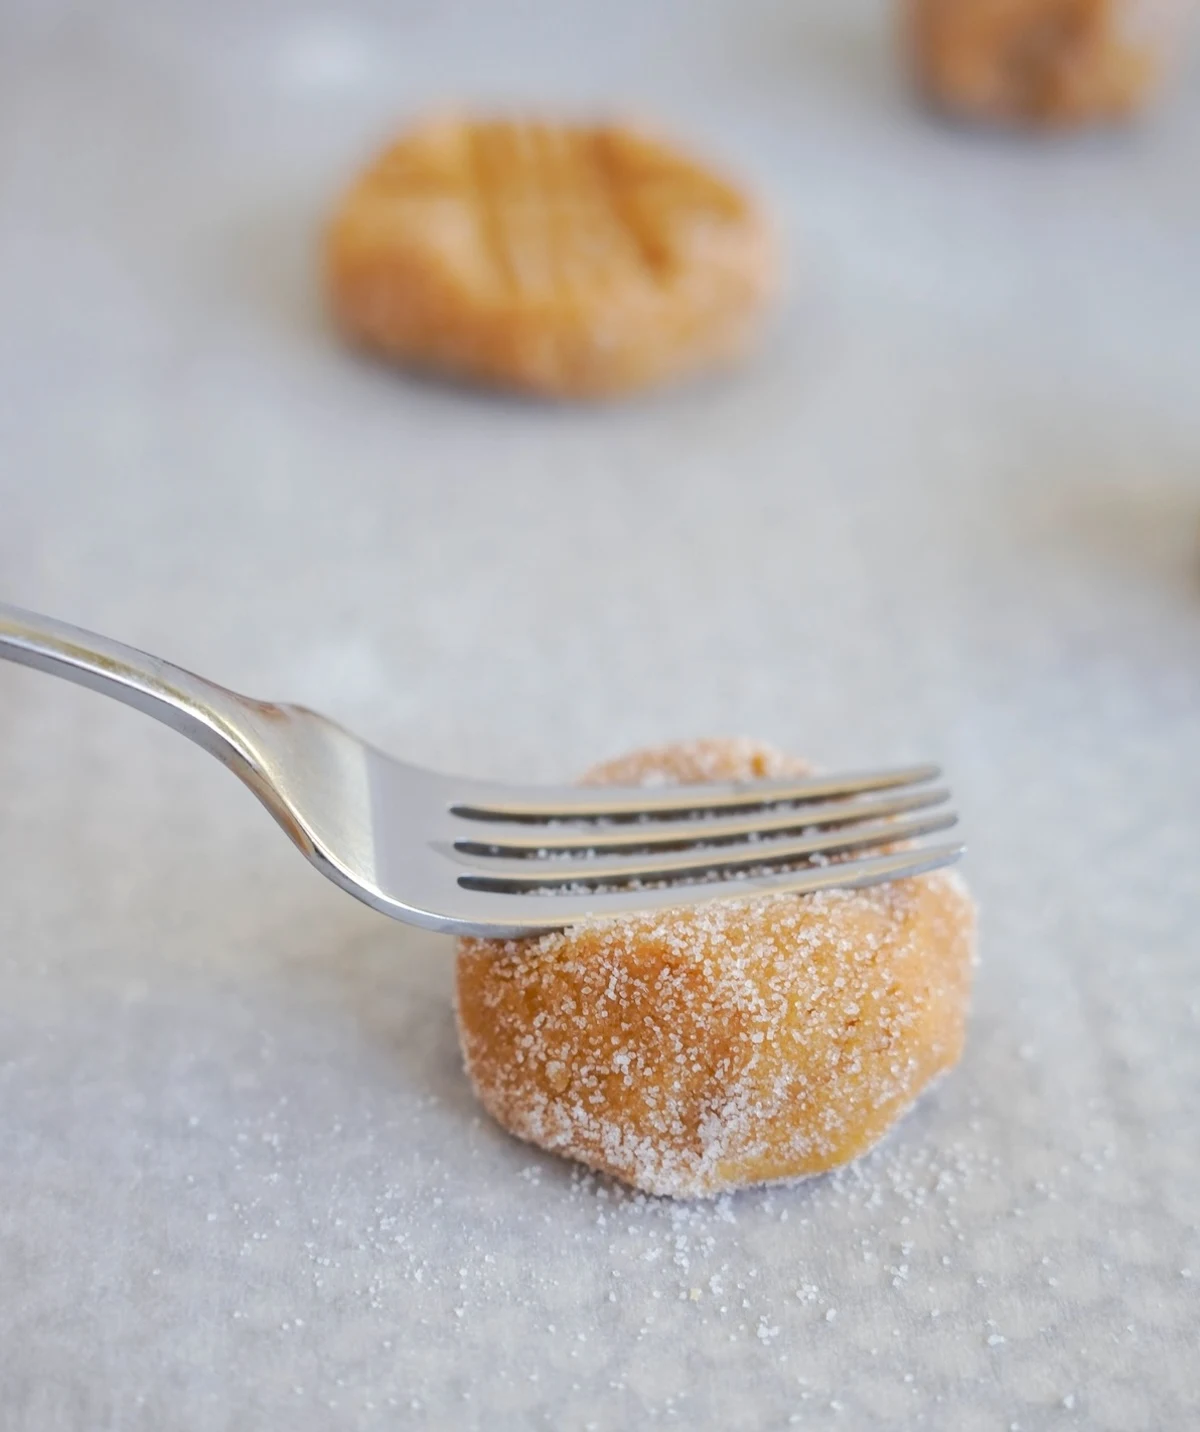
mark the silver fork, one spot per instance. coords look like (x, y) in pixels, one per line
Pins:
(481, 858)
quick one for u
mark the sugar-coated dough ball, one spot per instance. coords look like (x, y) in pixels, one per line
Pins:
(700, 1049)
(1050, 62)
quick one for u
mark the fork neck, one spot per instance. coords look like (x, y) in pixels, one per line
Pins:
(201, 710)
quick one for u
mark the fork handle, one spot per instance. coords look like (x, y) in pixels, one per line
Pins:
(201, 710)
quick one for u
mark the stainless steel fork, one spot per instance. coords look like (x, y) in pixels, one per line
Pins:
(476, 857)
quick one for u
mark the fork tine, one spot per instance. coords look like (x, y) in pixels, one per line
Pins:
(523, 875)
(379, 827)
(510, 839)
(511, 916)
(632, 803)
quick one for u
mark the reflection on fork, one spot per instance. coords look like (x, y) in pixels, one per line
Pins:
(474, 857)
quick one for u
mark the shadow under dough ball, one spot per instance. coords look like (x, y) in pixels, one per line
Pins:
(701, 1049)
(1041, 62)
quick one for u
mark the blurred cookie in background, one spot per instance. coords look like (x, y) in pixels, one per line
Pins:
(557, 259)
(1041, 62)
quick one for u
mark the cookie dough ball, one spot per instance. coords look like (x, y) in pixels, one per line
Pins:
(561, 260)
(701, 1049)
(1047, 62)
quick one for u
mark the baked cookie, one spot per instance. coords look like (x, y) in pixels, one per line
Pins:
(1041, 62)
(700, 1049)
(562, 260)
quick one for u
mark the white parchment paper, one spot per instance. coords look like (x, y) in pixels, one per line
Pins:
(950, 510)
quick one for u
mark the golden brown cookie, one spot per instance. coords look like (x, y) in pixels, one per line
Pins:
(1048, 62)
(701, 1049)
(563, 260)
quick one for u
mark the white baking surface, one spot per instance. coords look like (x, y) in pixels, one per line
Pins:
(952, 508)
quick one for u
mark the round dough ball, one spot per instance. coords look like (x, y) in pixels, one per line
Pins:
(563, 260)
(700, 1049)
(1050, 62)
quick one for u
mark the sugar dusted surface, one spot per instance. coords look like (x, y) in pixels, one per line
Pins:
(700, 1049)
(951, 512)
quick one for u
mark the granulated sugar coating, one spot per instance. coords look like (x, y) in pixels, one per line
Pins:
(692, 1051)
